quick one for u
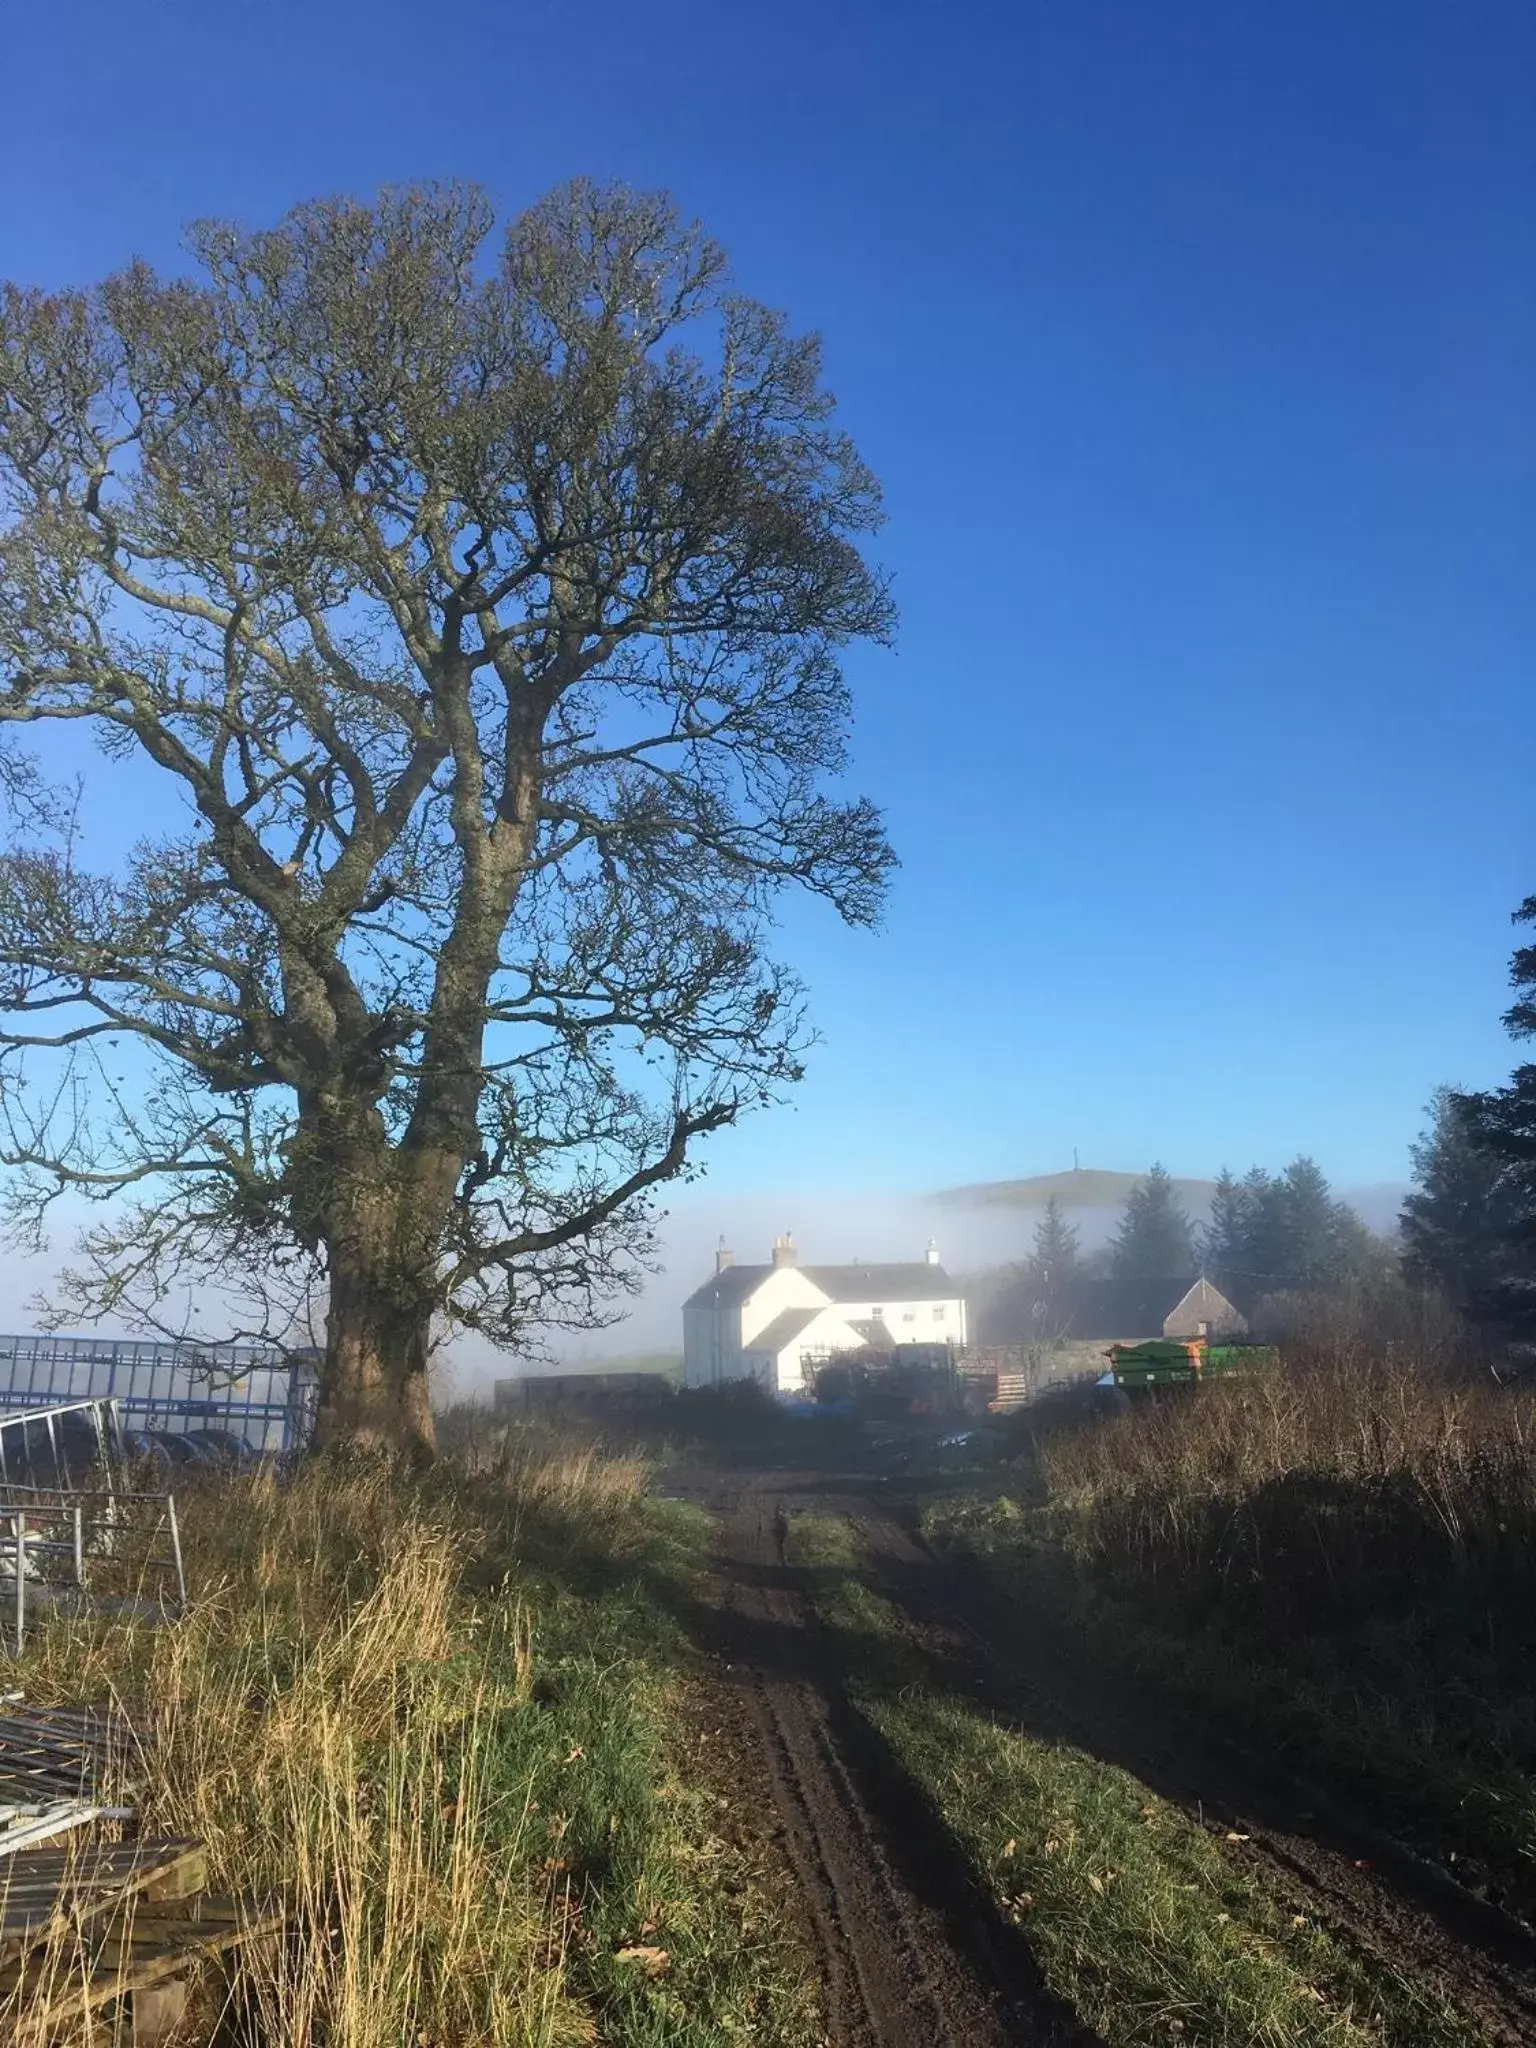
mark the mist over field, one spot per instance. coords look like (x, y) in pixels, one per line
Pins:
(974, 1228)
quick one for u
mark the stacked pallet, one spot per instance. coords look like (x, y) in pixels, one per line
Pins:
(112, 1922)
(1013, 1390)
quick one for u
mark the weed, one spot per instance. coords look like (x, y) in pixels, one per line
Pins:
(1341, 1554)
(464, 1769)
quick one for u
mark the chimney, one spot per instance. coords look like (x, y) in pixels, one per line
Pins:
(784, 1253)
(931, 1256)
(723, 1257)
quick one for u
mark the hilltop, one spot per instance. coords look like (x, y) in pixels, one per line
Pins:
(1086, 1187)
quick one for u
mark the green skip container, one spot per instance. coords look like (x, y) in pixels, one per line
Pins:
(1183, 1362)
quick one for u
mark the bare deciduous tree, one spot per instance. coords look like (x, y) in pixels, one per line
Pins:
(480, 613)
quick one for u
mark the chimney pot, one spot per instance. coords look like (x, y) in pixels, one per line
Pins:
(723, 1257)
(931, 1256)
(784, 1253)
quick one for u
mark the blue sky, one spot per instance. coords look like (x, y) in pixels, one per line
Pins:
(1194, 345)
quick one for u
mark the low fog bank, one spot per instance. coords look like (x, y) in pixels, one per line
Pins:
(830, 1227)
(1380, 1205)
(834, 1228)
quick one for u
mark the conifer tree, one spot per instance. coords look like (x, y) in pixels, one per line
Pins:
(1156, 1240)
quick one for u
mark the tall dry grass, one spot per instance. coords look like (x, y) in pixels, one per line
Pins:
(1351, 1484)
(1338, 1555)
(329, 1718)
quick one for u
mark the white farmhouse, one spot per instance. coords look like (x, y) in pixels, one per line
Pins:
(777, 1323)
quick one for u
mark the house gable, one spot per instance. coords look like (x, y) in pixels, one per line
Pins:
(778, 1354)
(781, 1288)
(1204, 1311)
(1130, 1311)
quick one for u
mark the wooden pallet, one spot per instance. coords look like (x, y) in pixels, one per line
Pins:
(44, 1892)
(141, 1953)
(96, 1923)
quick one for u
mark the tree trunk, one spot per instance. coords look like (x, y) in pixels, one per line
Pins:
(374, 1387)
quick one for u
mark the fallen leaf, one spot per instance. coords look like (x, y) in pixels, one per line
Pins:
(576, 1754)
(654, 1961)
(1233, 1836)
(1009, 1846)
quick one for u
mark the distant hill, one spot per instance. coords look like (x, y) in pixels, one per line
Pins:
(1086, 1187)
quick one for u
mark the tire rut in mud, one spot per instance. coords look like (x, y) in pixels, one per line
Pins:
(910, 1950)
(1409, 1915)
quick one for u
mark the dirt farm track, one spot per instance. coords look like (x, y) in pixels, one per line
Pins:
(910, 1950)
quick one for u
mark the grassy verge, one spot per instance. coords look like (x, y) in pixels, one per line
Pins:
(1340, 1559)
(447, 1718)
(1138, 1917)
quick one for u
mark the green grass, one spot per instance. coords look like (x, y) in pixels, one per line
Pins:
(1438, 1744)
(450, 1718)
(1338, 1558)
(1139, 1918)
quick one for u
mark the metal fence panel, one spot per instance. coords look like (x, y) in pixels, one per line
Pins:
(261, 1394)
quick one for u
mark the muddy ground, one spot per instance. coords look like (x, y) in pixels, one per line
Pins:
(910, 1948)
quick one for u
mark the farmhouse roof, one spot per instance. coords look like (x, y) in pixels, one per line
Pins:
(734, 1284)
(784, 1329)
(915, 1280)
(875, 1334)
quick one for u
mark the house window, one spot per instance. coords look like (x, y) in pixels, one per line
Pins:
(909, 1315)
(877, 1315)
(939, 1313)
